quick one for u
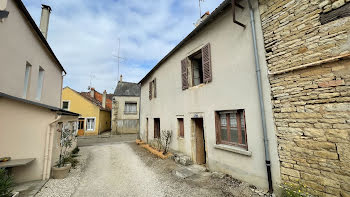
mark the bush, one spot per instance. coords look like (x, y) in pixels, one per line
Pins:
(6, 184)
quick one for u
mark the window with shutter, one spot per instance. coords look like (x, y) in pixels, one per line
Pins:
(150, 90)
(155, 88)
(206, 62)
(184, 74)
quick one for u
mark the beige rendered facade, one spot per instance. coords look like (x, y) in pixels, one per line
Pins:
(126, 108)
(233, 86)
(30, 96)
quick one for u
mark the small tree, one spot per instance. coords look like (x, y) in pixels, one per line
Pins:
(166, 138)
(6, 183)
(66, 142)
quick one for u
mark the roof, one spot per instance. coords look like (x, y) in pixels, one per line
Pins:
(127, 89)
(52, 108)
(93, 100)
(21, 6)
(200, 27)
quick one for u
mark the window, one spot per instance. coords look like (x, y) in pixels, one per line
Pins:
(231, 128)
(40, 83)
(156, 128)
(152, 89)
(65, 105)
(196, 68)
(26, 80)
(90, 124)
(181, 127)
(130, 108)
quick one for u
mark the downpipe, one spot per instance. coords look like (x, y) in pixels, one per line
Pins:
(261, 100)
(48, 143)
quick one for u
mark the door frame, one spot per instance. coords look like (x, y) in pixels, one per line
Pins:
(194, 141)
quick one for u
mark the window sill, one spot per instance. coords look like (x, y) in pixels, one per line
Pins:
(130, 113)
(233, 149)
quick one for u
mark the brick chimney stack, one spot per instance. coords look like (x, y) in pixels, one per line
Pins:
(104, 96)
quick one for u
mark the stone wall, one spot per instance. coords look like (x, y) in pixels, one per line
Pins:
(329, 5)
(311, 102)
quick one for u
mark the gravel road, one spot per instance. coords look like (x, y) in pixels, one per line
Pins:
(114, 170)
(125, 169)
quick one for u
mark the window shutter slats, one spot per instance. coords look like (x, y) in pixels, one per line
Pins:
(206, 62)
(184, 74)
(155, 88)
(150, 90)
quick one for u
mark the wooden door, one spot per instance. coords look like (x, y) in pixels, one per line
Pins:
(81, 127)
(147, 130)
(200, 141)
(156, 128)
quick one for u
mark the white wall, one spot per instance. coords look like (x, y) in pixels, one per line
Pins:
(20, 44)
(234, 86)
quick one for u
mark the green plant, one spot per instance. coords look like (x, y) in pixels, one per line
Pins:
(296, 190)
(76, 150)
(71, 160)
(6, 183)
(66, 142)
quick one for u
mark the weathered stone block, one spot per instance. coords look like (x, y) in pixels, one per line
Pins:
(290, 172)
(326, 154)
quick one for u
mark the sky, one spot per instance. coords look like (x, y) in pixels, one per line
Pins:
(84, 35)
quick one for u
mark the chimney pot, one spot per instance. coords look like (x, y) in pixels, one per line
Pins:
(104, 96)
(121, 78)
(44, 20)
(92, 92)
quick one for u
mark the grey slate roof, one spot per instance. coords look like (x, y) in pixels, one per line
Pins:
(127, 89)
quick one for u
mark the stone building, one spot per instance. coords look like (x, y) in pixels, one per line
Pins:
(125, 108)
(307, 45)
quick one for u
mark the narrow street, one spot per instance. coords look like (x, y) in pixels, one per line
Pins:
(125, 169)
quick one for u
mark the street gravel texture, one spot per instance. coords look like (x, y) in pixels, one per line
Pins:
(125, 169)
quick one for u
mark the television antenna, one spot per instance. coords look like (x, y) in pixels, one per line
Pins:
(118, 56)
(200, 9)
(92, 76)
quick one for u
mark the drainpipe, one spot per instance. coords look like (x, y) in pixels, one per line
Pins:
(47, 154)
(262, 107)
(139, 135)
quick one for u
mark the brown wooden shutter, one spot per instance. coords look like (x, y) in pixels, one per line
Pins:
(184, 74)
(150, 90)
(206, 62)
(155, 88)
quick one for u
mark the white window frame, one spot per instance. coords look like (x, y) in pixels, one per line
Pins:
(129, 112)
(86, 121)
(41, 75)
(27, 76)
(68, 104)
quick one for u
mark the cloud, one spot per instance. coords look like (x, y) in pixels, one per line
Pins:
(84, 35)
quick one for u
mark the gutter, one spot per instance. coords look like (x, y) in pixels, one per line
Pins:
(262, 107)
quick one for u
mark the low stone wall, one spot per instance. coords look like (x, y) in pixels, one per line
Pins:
(329, 5)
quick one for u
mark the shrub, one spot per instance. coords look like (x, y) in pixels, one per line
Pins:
(6, 184)
(293, 190)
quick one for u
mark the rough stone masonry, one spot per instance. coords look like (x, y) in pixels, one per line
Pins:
(309, 68)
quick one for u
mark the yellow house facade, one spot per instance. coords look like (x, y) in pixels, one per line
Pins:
(95, 115)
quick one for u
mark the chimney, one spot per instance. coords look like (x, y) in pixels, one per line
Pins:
(203, 17)
(44, 21)
(3, 4)
(92, 92)
(104, 96)
(121, 78)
